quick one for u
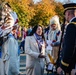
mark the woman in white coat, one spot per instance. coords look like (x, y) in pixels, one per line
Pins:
(35, 52)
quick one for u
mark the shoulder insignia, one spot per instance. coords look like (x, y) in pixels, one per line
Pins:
(72, 23)
(65, 64)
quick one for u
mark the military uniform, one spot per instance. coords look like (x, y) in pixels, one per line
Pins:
(69, 45)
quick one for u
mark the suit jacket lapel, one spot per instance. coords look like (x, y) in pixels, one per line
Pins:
(35, 42)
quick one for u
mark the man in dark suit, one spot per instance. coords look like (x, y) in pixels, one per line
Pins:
(69, 50)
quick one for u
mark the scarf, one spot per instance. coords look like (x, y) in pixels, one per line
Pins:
(39, 41)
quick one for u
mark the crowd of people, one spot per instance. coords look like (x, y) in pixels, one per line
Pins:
(53, 47)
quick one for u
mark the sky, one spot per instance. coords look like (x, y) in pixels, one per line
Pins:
(36, 1)
(56, 0)
(67, 0)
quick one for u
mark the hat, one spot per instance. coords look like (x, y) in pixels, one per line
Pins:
(5, 4)
(69, 6)
(55, 20)
(7, 26)
(10, 24)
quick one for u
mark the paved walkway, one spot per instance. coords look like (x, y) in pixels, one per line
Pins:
(22, 64)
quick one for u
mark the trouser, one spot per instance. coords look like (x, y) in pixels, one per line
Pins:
(67, 73)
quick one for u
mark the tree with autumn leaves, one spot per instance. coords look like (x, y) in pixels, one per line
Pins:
(31, 14)
(43, 12)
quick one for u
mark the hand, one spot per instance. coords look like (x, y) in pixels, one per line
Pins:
(52, 44)
(59, 69)
(41, 56)
(73, 71)
(54, 41)
(4, 61)
(48, 63)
